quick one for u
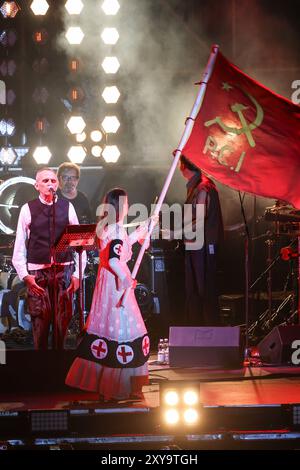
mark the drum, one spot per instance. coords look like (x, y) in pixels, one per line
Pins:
(7, 272)
(4, 324)
(144, 299)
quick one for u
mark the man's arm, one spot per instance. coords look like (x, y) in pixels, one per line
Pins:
(19, 258)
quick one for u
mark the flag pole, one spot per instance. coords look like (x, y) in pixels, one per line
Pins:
(189, 124)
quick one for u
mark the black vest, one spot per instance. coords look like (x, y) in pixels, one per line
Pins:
(39, 243)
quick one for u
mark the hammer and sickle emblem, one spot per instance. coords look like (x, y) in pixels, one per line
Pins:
(246, 128)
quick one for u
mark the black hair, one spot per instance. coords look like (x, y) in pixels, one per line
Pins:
(111, 206)
(189, 165)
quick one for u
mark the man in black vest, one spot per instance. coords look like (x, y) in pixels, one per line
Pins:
(46, 274)
(201, 260)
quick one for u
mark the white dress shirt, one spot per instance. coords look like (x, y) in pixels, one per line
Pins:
(19, 259)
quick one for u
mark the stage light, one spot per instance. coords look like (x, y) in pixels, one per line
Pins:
(96, 151)
(180, 399)
(76, 154)
(80, 137)
(110, 64)
(8, 37)
(171, 416)
(190, 416)
(96, 136)
(74, 65)
(40, 36)
(74, 35)
(111, 94)
(9, 9)
(110, 7)
(110, 36)
(39, 7)
(110, 124)
(111, 154)
(40, 65)
(10, 97)
(76, 124)
(171, 398)
(41, 125)
(7, 156)
(76, 94)
(8, 67)
(74, 7)
(7, 127)
(190, 397)
(40, 95)
(42, 155)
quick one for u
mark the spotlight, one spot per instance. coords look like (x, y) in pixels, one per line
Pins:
(42, 155)
(10, 97)
(7, 156)
(110, 36)
(40, 66)
(110, 124)
(110, 7)
(111, 94)
(96, 136)
(96, 151)
(76, 124)
(8, 67)
(8, 37)
(7, 127)
(41, 125)
(40, 36)
(171, 398)
(110, 64)
(81, 137)
(76, 154)
(74, 7)
(190, 397)
(172, 416)
(76, 94)
(74, 65)
(40, 95)
(9, 9)
(191, 416)
(74, 35)
(39, 7)
(181, 400)
(111, 154)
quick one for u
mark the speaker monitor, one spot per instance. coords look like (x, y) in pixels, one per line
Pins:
(276, 347)
(205, 346)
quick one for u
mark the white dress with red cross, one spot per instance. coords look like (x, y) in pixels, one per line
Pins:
(112, 357)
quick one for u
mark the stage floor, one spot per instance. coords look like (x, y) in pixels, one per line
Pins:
(254, 405)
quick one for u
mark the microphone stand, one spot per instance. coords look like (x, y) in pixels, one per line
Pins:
(247, 277)
(53, 260)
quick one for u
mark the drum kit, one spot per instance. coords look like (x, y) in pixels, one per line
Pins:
(286, 230)
(12, 298)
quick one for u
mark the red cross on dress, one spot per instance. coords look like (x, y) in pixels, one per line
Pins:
(146, 345)
(99, 348)
(124, 354)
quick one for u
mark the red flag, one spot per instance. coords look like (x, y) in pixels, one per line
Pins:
(247, 136)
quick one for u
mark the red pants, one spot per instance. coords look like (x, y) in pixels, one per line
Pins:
(42, 309)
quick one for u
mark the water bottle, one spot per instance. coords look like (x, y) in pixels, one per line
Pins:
(160, 352)
(166, 351)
